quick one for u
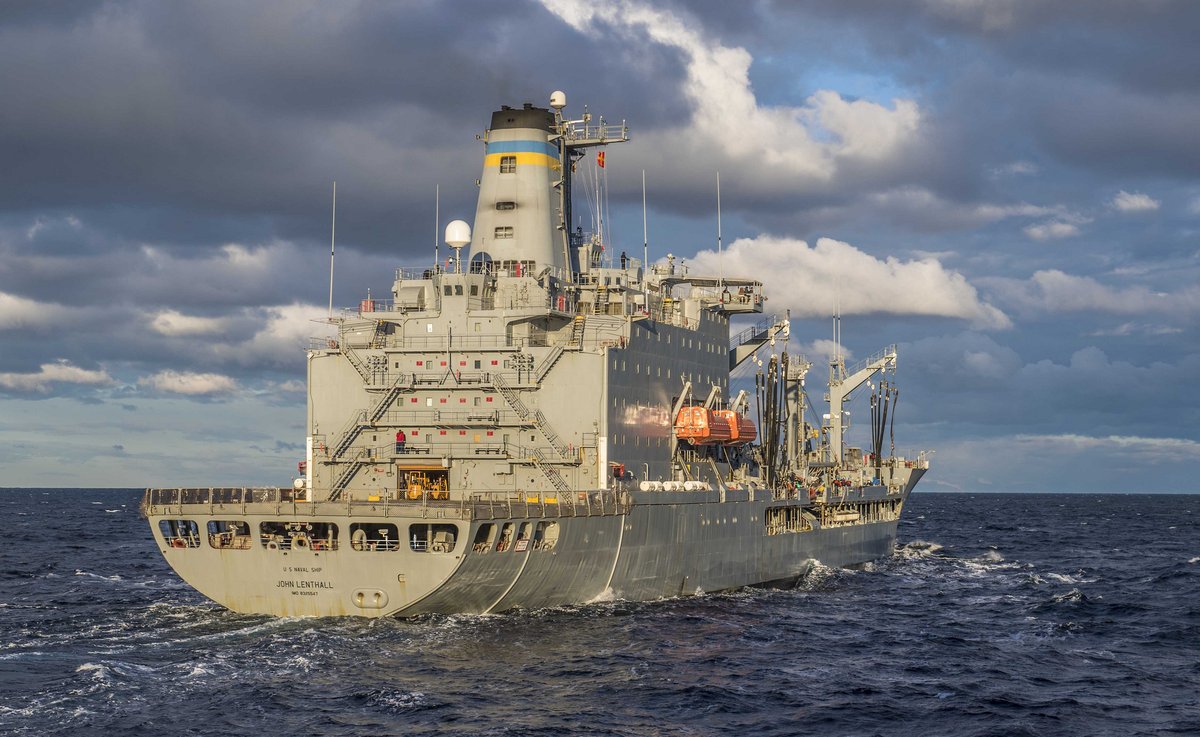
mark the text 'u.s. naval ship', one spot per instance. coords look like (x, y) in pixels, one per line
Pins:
(536, 423)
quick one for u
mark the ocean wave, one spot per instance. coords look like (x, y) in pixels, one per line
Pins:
(918, 549)
(114, 577)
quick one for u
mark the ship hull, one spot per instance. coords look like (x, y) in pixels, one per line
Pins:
(643, 547)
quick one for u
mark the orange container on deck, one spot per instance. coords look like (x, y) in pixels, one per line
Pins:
(701, 426)
(741, 429)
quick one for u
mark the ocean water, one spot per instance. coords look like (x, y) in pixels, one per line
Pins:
(996, 615)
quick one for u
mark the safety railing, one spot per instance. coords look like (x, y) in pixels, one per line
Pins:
(471, 504)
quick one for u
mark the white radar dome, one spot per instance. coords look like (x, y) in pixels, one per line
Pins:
(558, 99)
(458, 233)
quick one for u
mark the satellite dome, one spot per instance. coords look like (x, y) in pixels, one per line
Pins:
(458, 233)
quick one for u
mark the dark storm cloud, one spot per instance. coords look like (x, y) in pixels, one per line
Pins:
(241, 115)
(164, 210)
(1097, 73)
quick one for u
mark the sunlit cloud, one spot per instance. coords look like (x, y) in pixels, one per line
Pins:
(188, 383)
(814, 281)
(59, 372)
(1134, 202)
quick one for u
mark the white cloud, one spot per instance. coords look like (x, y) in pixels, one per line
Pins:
(172, 323)
(1051, 230)
(1134, 202)
(186, 382)
(21, 312)
(1143, 448)
(809, 280)
(1051, 290)
(285, 333)
(806, 142)
(59, 372)
(909, 203)
(1015, 168)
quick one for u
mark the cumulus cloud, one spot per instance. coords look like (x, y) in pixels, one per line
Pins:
(1134, 202)
(188, 383)
(172, 323)
(810, 141)
(59, 372)
(811, 280)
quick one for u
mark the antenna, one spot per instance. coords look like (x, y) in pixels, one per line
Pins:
(437, 219)
(332, 242)
(720, 253)
(718, 213)
(645, 238)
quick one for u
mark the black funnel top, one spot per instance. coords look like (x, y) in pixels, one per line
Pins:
(527, 117)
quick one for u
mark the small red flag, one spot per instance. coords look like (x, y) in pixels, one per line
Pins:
(600, 159)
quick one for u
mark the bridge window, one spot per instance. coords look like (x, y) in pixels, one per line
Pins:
(229, 534)
(504, 231)
(506, 205)
(180, 533)
(508, 164)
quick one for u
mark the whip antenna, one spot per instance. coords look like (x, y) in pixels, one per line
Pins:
(332, 242)
(645, 238)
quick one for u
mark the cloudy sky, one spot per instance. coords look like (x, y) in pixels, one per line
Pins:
(1008, 189)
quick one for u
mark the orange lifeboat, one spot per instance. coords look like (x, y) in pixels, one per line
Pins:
(741, 429)
(701, 426)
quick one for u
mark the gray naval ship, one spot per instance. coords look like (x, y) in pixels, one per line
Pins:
(537, 423)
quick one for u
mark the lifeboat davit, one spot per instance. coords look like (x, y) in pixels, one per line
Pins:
(702, 426)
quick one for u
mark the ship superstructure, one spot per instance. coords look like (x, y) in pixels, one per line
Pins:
(537, 422)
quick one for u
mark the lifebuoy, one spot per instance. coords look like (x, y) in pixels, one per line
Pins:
(272, 545)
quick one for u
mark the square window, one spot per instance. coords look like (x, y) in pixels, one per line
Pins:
(504, 231)
(508, 164)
